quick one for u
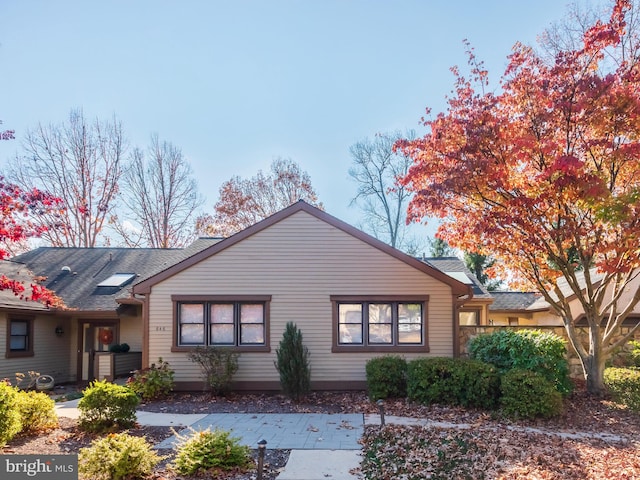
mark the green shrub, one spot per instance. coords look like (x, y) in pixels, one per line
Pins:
(153, 382)
(119, 348)
(218, 366)
(386, 377)
(453, 381)
(527, 394)
(210, 450)
(106, 406)
(292, 363)
(10, 423)
(634, 353)
(624, 385)
(543, 353)
(117, 456)
(37, 412)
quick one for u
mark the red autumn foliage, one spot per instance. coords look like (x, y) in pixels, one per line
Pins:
(544, 176)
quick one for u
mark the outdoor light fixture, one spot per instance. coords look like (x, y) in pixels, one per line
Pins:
(262, 445)
(59, 331)
(381, 407)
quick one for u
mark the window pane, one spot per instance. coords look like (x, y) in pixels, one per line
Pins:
(350, 333)
(468, 318)
(222, 313)
(191, 313)
(410, 333)
(379, 333)
(409, 313)
(380, 313)
(19, 328)
(192, 334)
(350, 313)
(252, 313)
(251, 333)
(18, 343)
(222, 334)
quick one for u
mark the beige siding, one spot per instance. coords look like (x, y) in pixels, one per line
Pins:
(300, 261)
(51, 352)
(131, 332)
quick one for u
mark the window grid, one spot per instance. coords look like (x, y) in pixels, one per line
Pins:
(234, 323)
(385, 323)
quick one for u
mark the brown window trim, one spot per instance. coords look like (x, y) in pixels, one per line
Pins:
(20, 353)
(338, 348)
(266, 299)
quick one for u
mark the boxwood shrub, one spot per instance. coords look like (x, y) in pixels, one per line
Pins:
(106, 406)
(624, 385)
(527, 394)
(534, 350)
(386, 377)
(453, 381)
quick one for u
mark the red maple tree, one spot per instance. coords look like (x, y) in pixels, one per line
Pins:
(544, 175)
(16, 205)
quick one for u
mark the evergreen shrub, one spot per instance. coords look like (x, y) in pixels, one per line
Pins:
(453, 381)
(292, 363)
(624, 386)
(386, 377)
(106, 406)
(118, 456)
(534, 350)
(527, 394)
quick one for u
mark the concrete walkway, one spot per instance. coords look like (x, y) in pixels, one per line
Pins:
(323, 446)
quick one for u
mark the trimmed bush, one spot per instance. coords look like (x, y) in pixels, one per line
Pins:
(292, 363)
(153, 382)
(634, 353)
(208, 451)
(117, 456)
(218, 367)
(624, 385)
(106, 406)
(540, 352)
(37, 412)
(453, 381)
(527, 394)
(10, 423)
(386, 377)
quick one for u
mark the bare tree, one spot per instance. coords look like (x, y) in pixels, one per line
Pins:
(80, 163)
(244, 202)
(161, 197)
(375, 168)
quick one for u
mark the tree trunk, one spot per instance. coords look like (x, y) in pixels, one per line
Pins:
(593, 366)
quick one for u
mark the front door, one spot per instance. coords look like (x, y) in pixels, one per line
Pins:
(95, 336)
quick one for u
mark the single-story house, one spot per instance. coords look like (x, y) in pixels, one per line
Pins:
(352, 296)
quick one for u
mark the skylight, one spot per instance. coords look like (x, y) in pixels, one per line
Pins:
(117, 280)
(461, 277)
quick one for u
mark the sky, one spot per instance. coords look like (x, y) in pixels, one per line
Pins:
(236, 84)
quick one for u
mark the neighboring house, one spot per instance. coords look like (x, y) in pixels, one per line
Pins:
(95, 285)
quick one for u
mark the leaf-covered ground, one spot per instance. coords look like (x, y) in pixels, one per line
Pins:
(406, 453)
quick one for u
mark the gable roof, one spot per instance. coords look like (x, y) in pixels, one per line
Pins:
(144, 286)
(452, 266)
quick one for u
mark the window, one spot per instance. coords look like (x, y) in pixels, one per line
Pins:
(20, 337)
(221, 321)
(379, 323)
(469, 316)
